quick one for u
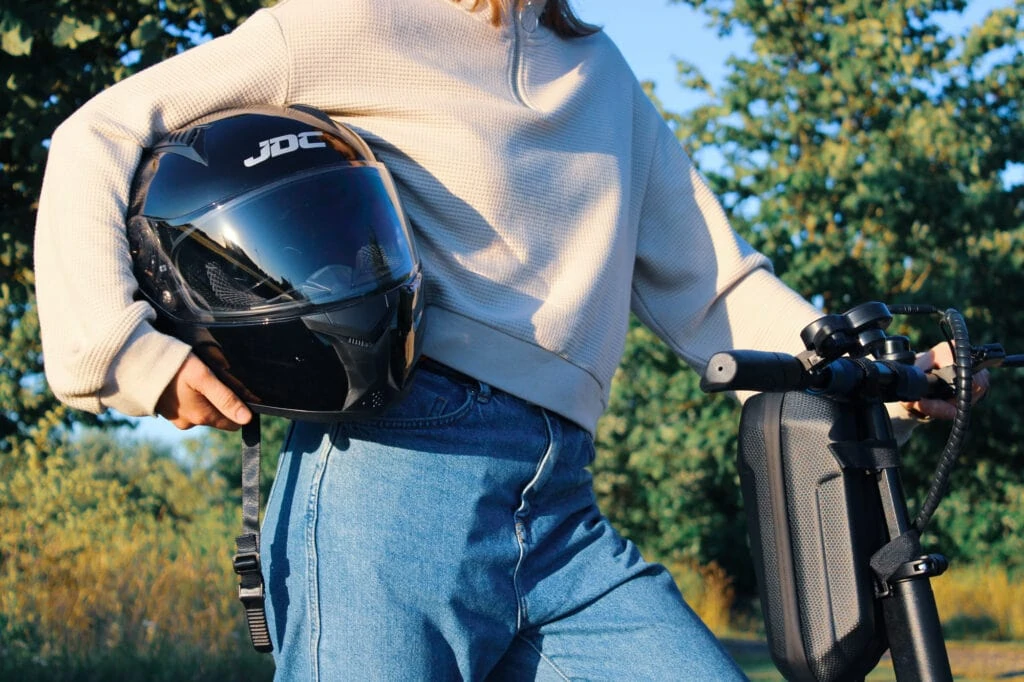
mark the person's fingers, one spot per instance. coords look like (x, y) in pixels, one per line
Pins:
(182, 423)
(220, 398)
(981, 385)
(196, 397)
(926, 360)
(214, 357)
(935, 409)
(237, 387)
(941, 355)
(204, 413)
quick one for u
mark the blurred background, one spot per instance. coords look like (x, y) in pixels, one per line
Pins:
(873, 150)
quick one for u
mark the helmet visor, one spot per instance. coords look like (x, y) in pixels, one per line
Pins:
(321, 238)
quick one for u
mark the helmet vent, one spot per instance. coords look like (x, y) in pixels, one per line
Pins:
(354, 341)
(184, 138)
(188, 143)
(371, 262)
(218, 289)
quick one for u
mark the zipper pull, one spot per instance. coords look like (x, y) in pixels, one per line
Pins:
(529, 15)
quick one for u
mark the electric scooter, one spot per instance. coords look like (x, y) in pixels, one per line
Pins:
(840, 569)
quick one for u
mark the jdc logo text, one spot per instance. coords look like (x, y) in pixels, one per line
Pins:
(285, 144)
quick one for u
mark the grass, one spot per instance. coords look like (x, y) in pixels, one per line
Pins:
(982, 611)
(970, 661)
(162, 664)
(980, 603)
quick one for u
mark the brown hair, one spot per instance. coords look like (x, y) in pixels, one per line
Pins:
(558, 16)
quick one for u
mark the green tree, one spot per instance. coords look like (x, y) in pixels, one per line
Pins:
(665, 472)
(871, 156)
(115, 563)
(54, 57)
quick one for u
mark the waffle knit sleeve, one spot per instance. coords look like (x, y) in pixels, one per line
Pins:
(701, 288)
(99, 348)
(697, 283)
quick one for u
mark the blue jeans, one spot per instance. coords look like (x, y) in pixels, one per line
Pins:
(457, 538)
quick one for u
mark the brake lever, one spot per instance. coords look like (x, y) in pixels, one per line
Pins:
(987, 356)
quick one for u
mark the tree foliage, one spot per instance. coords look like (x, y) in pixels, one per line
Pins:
(89, 531)
(54, 56)
(872, 156)
(664, 470)
(112, 552)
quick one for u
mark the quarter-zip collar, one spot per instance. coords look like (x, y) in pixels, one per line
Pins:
(525, 20)
(520, 26)
(524, 14)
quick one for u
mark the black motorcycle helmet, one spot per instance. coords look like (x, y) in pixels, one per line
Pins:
(272, 241)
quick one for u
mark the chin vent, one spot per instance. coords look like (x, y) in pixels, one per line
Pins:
(374, 401)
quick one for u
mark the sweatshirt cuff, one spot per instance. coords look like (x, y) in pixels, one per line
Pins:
(903, 423)
(141, 371)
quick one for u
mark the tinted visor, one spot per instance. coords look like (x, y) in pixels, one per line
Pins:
(319, 238)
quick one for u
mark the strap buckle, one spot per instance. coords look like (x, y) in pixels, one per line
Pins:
(247, 563)
(250, 588)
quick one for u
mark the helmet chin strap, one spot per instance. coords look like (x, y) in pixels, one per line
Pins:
(247, 545)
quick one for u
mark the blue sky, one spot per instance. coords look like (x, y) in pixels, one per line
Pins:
(652, 34)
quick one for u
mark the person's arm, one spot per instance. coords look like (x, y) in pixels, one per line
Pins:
(100, 349)
(702, 289)
(698, 284)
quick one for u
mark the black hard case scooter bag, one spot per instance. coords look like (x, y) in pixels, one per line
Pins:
(814, 522)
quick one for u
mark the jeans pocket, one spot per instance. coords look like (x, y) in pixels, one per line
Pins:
(432, 401)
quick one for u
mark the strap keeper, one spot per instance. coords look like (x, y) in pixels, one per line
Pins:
(247, 563)
(250, 587)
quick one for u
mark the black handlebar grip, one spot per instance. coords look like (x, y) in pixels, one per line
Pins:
(753, 370)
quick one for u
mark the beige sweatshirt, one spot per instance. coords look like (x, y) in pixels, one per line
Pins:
(547, 196)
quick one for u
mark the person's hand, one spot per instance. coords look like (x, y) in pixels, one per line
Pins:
(196, 397)
(940, 355)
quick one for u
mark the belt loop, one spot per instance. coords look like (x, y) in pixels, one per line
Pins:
(483, 392)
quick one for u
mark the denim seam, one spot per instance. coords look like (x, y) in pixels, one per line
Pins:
(520, 526)
(313, 592)
(421, 423)
(544, 658)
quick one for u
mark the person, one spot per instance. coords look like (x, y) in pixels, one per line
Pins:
(456, 536)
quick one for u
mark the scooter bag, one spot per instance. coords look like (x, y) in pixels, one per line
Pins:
(814, 522)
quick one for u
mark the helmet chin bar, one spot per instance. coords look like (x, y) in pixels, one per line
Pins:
(360, 336)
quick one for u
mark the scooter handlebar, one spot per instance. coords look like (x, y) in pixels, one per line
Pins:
(753, 370)
(769, 372)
